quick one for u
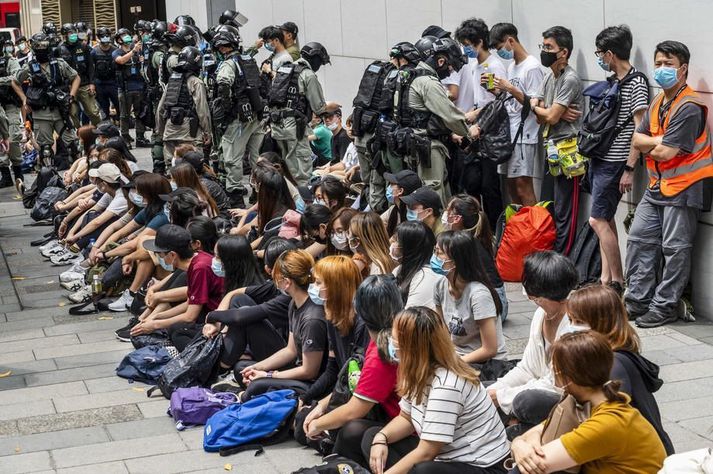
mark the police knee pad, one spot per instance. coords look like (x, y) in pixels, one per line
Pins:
(73, 149)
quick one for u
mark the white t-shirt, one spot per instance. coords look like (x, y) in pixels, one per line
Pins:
(350, 158)
(279, 59)
(496, 66)
(461, 415)
(465, 79)
(420, 291)
(117, 205)
(526, 76)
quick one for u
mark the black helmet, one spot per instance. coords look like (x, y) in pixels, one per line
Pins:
(406, 51)
(189, 59)
(68, 28)
(182, 20)
(49, 28)
(450, 49)
(81, 27)
(104, 34)
(184, 36)
(40, 42)
(315, 54)
(159, 30)
(224, 37)
(425, 46)
(233, 18)
(142, 25)
(120, 33)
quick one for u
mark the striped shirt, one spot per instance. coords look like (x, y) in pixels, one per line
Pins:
(634, 96)
(461, 415)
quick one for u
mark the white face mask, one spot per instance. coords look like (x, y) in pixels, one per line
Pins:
(333, 126)
(578, 327)
(444, 219)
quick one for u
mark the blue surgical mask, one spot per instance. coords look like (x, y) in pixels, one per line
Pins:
(269, 47)
(300, 205)
(313, 292)
(321, 202)
(72, 38)
(602, 64)
(340, 241)
(470, 52)
(174, 186)
(666, 76)
(217, 267)
(411, 215)
(390, 194)
(164, 265)
(137, 198)
(392, 351)
(9, 49)
(167, 211)
(506, 53)
(437, 265)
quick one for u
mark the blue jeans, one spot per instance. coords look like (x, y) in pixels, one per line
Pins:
(504, 300)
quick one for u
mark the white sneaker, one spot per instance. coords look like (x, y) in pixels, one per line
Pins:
(123, 303)
(78, 268)
(67, 258)
(70, 275)
(81, 296)
(52, 243)
(52, 251)
(73, 285)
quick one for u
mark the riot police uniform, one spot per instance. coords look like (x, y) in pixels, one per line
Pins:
(23, 53)
(131, 86)
(153, 59)
(51, 81)
(11, 103)
(78, 56)
(239, 103)
(294, 95)
(183, 115)
(105, 72)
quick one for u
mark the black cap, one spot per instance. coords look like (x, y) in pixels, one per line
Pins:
(195, 159)
(406, 179)
(437, 31)
(176, 194)
(290, 27)
(106, 129)
(426, 197)
(169, 238)
(131, 184)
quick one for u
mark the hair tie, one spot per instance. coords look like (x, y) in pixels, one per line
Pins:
(607, 383)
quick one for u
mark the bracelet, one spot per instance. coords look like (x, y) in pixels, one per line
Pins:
(376, 443)
(268, 374)
(386, 438)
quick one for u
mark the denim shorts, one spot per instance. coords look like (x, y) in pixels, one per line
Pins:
(604, 177)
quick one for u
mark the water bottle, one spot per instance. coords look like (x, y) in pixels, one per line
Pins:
(354, 372)
(553, 158)
(96, 285)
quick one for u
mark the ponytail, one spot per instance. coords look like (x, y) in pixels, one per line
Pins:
(382, 345)
(611, 391)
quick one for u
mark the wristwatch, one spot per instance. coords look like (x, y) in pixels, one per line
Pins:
(269, 374)
(628, 168)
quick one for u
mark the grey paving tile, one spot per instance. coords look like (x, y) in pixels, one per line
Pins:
(22, 335)
(113, 384)
(28, 314)
(53, 440)
(660, 342)
(661, 358)
(25, 409)
(191, 461)
(689, 353)
(703, 427)
(92, 324)
(19, 326)
(13, 357)
(287, 455)
(40, 343)
(9, 428)
(12, 382)
(687, 370)
(30, 462)
(77, 419)
(116, 467)
(78, 349)
(96, 336)
(29, 394)
(118, 450)
(192, 437)
(687, 409)
(70, 375)
(154, 408)
(684, 390)
(697, 330)
(98, 400)
(146, 427)
(94, 359)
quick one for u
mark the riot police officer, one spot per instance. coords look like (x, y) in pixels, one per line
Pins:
(50, 29)
(295, 94)
(183, 115)
(239, 104)
(105, 72)
(232, 18)
(78, 56)
(128, 60)
(11, 102)
(182, 37)
(23, 52)
(53, 84)
(82, 32)
(157, 48)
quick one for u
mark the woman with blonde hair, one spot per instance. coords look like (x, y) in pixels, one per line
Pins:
(303, 360)
(600, 308)
(457, 427)
(370, 244)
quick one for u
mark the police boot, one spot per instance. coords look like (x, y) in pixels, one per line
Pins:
(237, 200)
(19, 179)
(6, 177)
(142, 142)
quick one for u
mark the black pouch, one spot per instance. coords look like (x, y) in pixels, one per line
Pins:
(369, 121)
(178, 115)
(421, 149)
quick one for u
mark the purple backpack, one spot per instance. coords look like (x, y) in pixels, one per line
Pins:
(194, 405)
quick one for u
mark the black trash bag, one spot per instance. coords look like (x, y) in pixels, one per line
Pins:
(334, 464)
(46, 177)
(156, 338)
(44, 204)
(193, 367)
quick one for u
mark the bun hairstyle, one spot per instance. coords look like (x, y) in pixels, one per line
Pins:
(295, 265)
(376, 302)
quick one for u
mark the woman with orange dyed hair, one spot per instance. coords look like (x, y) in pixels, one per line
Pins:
(600, 308)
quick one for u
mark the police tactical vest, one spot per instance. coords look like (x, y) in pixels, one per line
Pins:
(37, 92)
(285, 90)
(152, 73)
(7, 94)
(104, 66)
(386, 106)
(78, 59)
(371, 87)
(130, 71)
(165, 74)
(247, 103)
(404, 115)
(177, 93)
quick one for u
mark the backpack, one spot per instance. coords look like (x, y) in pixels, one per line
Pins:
(43, 207)
(585, 255)
(495, 143)
(334, 464)
(46, 177)
(144, 365)
(194, 366)
(599, 127)
(194, 405)
(347, 381)
(156, 338)
(530, 230)
(260, 421)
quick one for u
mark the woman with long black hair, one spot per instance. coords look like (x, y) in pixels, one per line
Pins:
(412, 247)
(235, 262)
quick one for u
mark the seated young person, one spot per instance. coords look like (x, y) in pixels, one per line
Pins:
(398, 186)
(278, 162)
(330, 192)
(375, 401)
(313, 229)
(347, 168)
(303, 360)
(412, 247)
(425, 205)
(172, 245)
(600, 308)
(527, 392)
(338, 231)
(615, 438)
(206, 176)
(457, 428)
(184, 176)
(370, 244)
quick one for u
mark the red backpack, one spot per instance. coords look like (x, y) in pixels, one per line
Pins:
(531, 229)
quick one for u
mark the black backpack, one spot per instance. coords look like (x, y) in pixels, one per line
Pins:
(43, 207)
(334, 464)
(495, 143)
(599, 127)
(585, 255)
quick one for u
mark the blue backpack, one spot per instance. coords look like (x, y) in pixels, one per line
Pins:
(260, 421)
(144, 365)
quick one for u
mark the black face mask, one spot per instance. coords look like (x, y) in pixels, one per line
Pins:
(315, 63)
(42, 55)
(548, 58)
(441, 71)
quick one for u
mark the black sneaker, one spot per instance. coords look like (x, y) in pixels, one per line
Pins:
(124, 334)
(143, 143)
(653, 320)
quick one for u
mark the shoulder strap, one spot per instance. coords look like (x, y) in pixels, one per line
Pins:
(630, 117)
(259, 449)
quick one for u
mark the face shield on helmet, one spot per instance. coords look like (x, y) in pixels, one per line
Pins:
(315, 54)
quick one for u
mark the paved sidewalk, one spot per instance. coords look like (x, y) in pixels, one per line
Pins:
(62, 409)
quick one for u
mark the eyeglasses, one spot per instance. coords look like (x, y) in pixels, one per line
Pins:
(598, 53)
(354, 241)
(547, 48)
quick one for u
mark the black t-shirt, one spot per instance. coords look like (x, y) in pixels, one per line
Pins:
(343, 346)
(262, 292)
(218, 194)
(340, 143)
(309, 328)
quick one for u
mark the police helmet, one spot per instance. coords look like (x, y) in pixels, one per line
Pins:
(21, 39)
(452, 51)
(40, 42)
(315, 54)
(141, 26)
(81, 27)
(159, 30)
(183, 36)
(49, 28)
(120, 33)
(182, 20)
(425, 46)
(68, 28)
(406, 51)
(225, 37)
(233, 18)
(8, 42)
(104, 34)
(189, 59)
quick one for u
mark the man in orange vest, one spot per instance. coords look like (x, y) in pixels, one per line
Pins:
(673, 136)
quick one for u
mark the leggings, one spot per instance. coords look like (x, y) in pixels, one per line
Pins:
(263, 385)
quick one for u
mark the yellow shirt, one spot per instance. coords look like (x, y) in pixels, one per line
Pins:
(615, 439)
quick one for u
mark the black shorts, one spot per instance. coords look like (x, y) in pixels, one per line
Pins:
(604, 177)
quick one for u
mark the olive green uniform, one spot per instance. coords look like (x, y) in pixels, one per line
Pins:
(12, 120)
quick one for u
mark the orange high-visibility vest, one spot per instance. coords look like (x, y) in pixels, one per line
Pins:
(684, 169)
